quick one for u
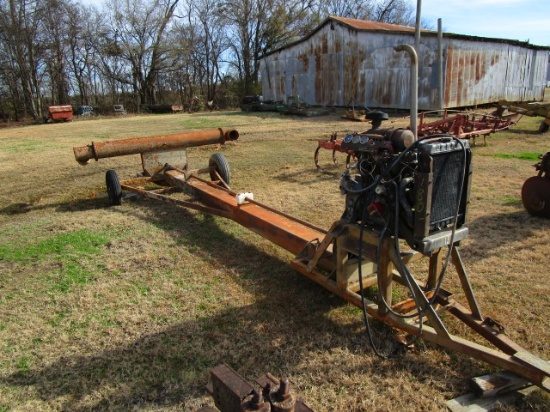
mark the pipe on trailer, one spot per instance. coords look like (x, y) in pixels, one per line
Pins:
(101, 150)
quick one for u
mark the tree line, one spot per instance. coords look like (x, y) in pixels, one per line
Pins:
(141, 53)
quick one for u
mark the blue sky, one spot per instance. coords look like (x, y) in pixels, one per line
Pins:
(504, 19)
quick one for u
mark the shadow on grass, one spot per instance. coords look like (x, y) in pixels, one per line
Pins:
(288, 324)
(81, 205)
(490, 232)
(329, 173)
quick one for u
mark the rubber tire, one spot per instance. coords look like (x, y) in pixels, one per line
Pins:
(114, 191)
(543, 128)
(535, 195)
(219, 162)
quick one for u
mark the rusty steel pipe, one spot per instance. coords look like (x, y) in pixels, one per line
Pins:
(413, 78)
(136, 145)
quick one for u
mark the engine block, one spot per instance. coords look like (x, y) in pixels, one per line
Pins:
(417, 191)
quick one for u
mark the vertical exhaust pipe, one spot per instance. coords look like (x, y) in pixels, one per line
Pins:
(413, 85)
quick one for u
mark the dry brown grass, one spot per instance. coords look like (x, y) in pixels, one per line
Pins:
(134, 311)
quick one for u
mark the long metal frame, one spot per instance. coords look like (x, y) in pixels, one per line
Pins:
(331, 259)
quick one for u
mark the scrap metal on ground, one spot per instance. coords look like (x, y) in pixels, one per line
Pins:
(59, 113)
(534, 109)
(365, 115)
(535, 192)
(163, 108)
(406, 201)
(257, 104)
(293, 106)
(464, 125)
(232, 393)
(299, 107)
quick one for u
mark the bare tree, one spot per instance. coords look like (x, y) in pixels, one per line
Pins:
(20, 22)
(54, 30)
(400, 12)
(206, 41)
(63, 52)
(395, 12)
(136, 37)
(82, 53)
(360, 9)
(259, 26)
(186, 73)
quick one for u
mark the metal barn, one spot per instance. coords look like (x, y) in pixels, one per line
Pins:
(347, 62)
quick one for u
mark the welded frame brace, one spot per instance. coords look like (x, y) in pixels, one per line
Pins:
(329, 258)
(386, 270)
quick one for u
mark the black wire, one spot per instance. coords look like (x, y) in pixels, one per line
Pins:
(386, 171)
(406, 272)
(407, 276)
(453, 233)
(363, 300)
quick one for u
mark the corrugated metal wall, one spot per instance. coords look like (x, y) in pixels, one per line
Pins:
(482, 72)
(339, 66)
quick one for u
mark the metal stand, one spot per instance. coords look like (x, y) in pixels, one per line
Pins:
(389, 270)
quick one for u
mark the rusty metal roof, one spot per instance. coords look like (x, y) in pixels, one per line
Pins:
(371, 25)
(374, 26)
(366, 25)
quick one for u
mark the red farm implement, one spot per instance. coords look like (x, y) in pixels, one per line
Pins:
(464, 125)
(535, 192)
(60, 113)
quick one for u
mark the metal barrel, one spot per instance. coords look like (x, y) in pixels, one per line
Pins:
(101, 150)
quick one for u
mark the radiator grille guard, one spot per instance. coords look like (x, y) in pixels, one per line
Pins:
(443, 175)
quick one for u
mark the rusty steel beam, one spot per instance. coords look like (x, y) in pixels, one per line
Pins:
(101, 150)
(286, 231)
(295, 235)
(536, 370)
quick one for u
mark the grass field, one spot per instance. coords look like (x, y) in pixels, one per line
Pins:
(128, 308)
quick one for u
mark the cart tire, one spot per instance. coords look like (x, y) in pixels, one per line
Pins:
(114, 191)
(543, 128)
(220, 164)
